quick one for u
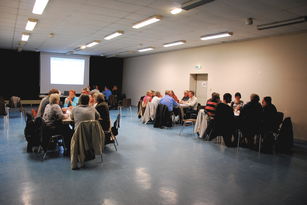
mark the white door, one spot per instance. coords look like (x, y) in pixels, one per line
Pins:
(201, 88)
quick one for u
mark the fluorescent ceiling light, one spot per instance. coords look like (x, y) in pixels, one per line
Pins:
(176, 11)
(176, 43)
(146, 49)
(94, 43)
(25, 36)
(282, 23)
(217, 35)
(31, 24)
(83, 47)
(114, 35)
(39, 6)
(194, 3)
(146, 22)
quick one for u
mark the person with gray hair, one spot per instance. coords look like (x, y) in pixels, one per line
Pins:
(103, 109)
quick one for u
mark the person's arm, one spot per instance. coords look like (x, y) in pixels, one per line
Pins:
(74, 103)
(72, 114)
(59, 113)
(66, 101)
(97, 115)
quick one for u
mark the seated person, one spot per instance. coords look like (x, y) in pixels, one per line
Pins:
(212, 104)
(92, 96)
(53, 116)
(85, 91)
(210, 109)
(250, 116)
(71, 101)
(168, 101)
(157, 97)
(192, 101)
(147, 98)
(172, 94)
(103, 109)
(83, 111)
(185, 96)
(224, 121)
(45, 102)
(269, 115)
(107, 93)
(237, 103)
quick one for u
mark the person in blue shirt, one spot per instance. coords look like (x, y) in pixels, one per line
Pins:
(71, 100)
(168, 101)
(107, 93)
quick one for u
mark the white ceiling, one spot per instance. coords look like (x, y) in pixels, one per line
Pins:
(77, 22)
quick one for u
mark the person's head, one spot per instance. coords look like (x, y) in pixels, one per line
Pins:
(72, 93)
(191, 93)
(167, 92)
(97, 87)
(254, 98)
(215, 97)
(238, 96)
(84, 99)
(85, 91)
(227, 97)
(158, 94)
(99, 98)
(266, 101)
(106, 88)
(115, 87)
(186, 93)
(54, 98)
(53, 90)
(149, 93)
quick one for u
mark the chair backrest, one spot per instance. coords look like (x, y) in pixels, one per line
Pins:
(127, 102)
(116, 126)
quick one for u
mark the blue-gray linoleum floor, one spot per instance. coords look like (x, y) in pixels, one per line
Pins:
(152, 166)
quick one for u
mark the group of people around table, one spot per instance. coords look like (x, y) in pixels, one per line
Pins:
(90, 105)
(226, 117)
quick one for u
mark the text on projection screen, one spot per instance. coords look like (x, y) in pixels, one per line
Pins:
(67, 71)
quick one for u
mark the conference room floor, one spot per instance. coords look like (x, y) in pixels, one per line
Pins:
(152, 166)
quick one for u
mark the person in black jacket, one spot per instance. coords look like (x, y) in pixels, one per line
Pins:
(103, 109)
(269, 114)
(251, 116)
(224, 121)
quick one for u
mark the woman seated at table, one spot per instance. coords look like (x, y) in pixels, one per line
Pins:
(157, 97)
(103, 109)
(237, 103)
(53, 116)
(71, 101)
(172, 94)
(83, 111)
(147, 98)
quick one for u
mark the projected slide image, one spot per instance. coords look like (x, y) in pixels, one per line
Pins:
(67, 71)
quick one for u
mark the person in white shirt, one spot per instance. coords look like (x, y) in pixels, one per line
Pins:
(156, 99)
(192, 101)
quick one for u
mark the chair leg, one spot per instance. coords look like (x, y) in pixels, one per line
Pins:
(101, 158)
(116, 140)
(259, 146)
(115, 146)
(239, 138)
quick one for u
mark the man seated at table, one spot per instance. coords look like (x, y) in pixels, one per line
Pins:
(83, 111)
(71, 101)
(192, 101)
(53, 116)
(224, 121)
(168, 101)
(157, 97)
(185, 96)
(250, 116)
(210, 109)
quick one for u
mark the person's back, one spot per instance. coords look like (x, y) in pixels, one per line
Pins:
(103, 110)
(168, 101)
(83, 111)
(53, 115)
(224, 118)
(251, 115)
(269, 115)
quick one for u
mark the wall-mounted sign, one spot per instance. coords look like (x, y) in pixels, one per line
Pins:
(204, 84)
(198, 67)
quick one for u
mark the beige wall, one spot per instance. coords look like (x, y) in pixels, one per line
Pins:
(275, 66)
